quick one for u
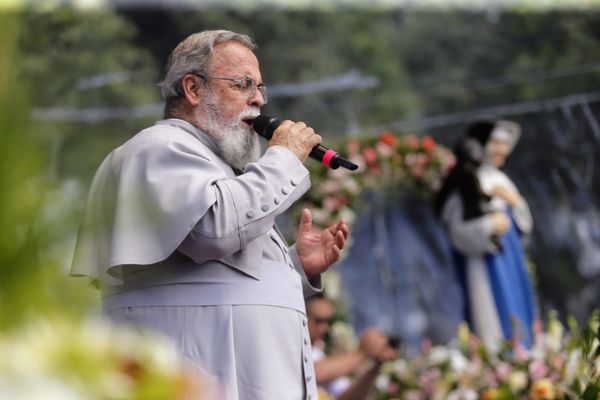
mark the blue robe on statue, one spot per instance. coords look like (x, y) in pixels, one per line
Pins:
(510, 286)
(494, 276)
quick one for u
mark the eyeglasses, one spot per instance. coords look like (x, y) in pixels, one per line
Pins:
(245, 85)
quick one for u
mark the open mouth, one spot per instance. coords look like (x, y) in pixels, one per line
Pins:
(248, 121)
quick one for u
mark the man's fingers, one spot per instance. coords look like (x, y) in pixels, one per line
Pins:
(283, 126)
(343, 227)
(340, 240)
(337, 252)
(306, 220)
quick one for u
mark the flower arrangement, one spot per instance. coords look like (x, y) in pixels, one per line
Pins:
(388, 163)
(61, 359)
(558, 366)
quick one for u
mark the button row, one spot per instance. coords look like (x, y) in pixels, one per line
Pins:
(265, 207)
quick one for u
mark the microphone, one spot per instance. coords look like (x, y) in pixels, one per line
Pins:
(265, 126)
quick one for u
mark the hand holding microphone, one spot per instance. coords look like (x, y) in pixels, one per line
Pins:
(297, 137)
(300, 139)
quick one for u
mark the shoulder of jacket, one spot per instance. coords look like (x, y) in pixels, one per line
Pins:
(164, 137)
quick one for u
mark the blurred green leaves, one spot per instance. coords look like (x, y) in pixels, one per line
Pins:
(78, 65)
(60, 59)
(22, 188)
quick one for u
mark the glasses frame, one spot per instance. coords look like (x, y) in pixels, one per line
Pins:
(245, 84)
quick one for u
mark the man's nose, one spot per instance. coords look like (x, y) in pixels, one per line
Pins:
(257, 100)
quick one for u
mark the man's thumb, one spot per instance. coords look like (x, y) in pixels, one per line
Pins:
(306, 220)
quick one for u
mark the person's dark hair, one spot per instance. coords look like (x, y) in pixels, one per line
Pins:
(469, 153)
(481, 131)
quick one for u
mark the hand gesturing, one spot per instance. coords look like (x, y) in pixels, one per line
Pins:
(319, 249)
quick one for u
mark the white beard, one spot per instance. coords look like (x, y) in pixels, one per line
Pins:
(238, 145)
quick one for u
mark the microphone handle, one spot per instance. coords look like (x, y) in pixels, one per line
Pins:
(330, 158)
(325, 156)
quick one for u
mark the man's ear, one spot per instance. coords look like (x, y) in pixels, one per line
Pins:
(191, 89)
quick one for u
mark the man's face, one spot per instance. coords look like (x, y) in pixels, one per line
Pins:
(497, 151)
(226, 111)
(319, 312)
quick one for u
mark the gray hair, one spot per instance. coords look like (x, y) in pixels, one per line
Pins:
(192, 56)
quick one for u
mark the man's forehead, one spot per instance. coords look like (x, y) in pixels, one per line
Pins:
(234, 58)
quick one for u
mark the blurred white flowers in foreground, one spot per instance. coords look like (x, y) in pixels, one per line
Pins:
(62, 359)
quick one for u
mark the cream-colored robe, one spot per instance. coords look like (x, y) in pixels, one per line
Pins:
(184, 246)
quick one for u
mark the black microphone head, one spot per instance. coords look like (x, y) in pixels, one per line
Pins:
(265, 125)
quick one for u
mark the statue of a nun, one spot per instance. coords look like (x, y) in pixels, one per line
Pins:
(486, 217)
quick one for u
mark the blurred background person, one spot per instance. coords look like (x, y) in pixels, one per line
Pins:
(345, 375)
(485, 217)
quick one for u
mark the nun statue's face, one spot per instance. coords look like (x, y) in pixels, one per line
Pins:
(497, 151)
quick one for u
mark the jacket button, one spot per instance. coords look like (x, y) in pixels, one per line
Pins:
(285, 190)
(294, 181)
(276, 200)
(264, 207)
(250, 214)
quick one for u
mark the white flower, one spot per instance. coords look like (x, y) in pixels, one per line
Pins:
(351, 186)
(517, 380)
(554, 335)
(342, 336)
(400, 366)
(382, 382)
(332, 284)
(458, 362)
(438, 355)
(462, 394)
(38, 387)
(319, 216)
(61, 359)
(347, 214)
(572, 367)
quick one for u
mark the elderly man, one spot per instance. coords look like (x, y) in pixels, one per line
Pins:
(179, 227)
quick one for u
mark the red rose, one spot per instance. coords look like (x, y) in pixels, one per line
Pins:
(387, 138)
(428, 143)
(370, 155)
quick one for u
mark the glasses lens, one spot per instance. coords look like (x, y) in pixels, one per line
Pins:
(263, 91)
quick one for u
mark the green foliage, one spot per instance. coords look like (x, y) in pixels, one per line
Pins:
(76, 61)
(45, 60)
(63, 47)
(426, 62)
(28, 272)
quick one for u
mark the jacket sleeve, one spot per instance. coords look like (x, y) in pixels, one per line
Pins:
(309, 287)
(245, 206)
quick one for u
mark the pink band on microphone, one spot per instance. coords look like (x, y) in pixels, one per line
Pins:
(327, 157)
